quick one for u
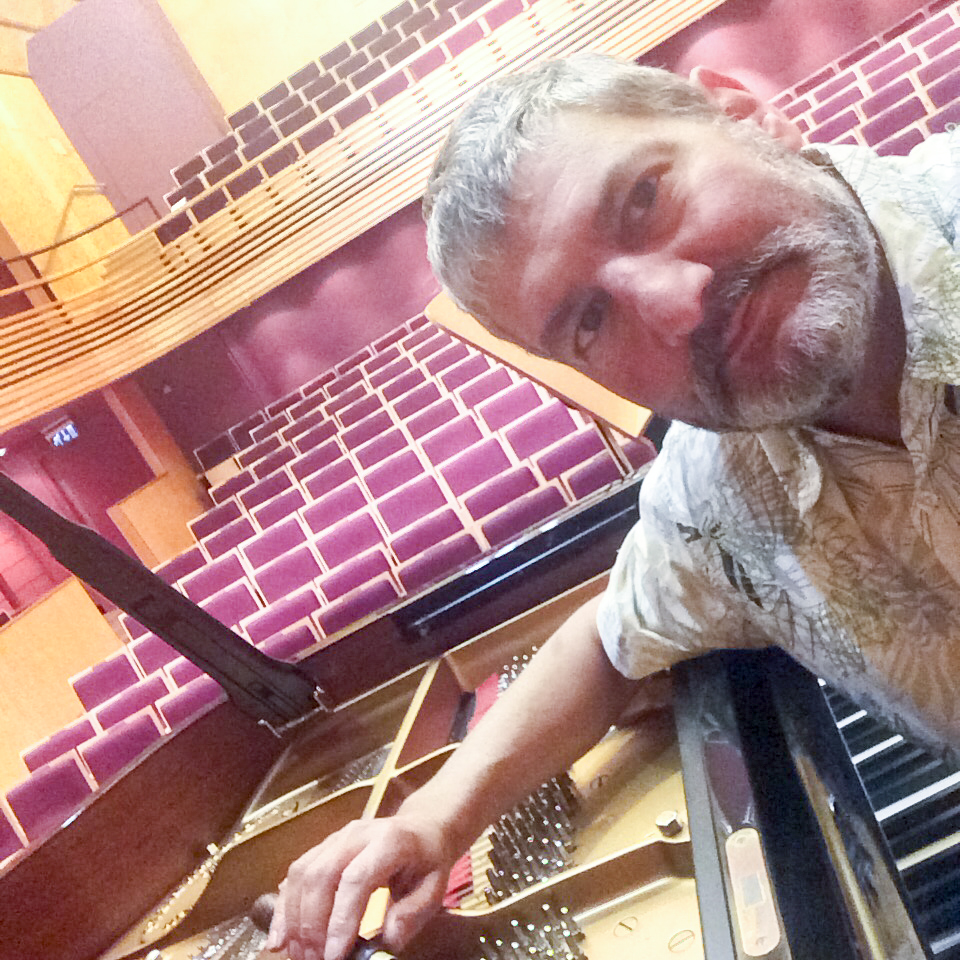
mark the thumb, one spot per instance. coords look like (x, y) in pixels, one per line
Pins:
(408, 914)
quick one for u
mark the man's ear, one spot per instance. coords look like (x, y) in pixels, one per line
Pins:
(739, 103)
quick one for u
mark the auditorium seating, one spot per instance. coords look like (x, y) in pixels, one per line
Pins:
(316, 104)
(107, 754)
(99, 683)
(56, 745)
(10, 842)
(50, 795)
(403, 463)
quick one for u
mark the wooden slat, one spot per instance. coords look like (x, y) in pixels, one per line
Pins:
(144, 299)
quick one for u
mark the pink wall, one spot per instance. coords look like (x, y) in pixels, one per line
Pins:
(295, 332)
(79, 480)
(127, 94)
(771, 44)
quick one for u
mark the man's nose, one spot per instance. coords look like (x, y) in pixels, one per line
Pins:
(664, 293)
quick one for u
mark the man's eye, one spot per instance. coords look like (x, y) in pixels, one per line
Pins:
(638, 204)
(588, 327)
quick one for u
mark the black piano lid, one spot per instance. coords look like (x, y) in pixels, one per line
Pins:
(565, 551)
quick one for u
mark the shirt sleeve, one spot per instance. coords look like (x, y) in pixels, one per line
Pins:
(669, 597)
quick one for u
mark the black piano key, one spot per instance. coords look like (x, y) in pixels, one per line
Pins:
(934, 885)
(876, 768)
(914, 771)
(923, 823)
(862, 732)
(901, 779)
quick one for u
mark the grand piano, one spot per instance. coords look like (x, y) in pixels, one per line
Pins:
(734, 825)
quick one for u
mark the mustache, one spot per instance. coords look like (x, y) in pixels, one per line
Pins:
(721, 299)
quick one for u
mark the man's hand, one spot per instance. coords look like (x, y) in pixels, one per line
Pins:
(322, 901)
(562, 704)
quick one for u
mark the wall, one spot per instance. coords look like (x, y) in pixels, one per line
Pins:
(39, 652)
(128, 95)
(80, 480)
(39, 169)
(244, 47)
(297, 331)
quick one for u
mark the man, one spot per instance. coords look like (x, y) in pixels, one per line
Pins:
(668, 239)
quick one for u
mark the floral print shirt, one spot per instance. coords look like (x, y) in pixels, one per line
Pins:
(843, 551)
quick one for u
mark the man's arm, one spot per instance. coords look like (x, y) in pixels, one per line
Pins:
(563, 702)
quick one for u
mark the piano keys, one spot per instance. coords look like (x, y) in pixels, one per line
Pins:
(916, 798)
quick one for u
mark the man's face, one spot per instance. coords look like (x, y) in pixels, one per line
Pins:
(694, 269)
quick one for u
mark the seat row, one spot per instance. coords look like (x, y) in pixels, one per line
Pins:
(325, 95)
(305, 402)
(388, 472)
(128, 711)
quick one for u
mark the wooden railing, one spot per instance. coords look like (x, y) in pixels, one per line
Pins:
(144, 298)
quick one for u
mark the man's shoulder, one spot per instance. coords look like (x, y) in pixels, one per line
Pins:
(697, 467)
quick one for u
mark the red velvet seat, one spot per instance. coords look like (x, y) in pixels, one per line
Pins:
(213, 520)
(143, 694)
(104, 680)
(57, 744)
(538, 431)
(451, 439)
(107, 754)
(593, 475)
(426, 533)
(49, 796)
(410, 503)
(348, 538)
(356, 605)
(214, 577)
(179, 707)
(232, 535)
(232, 604)
(523, 514)
(232, 486)
(290, 642)
(570, 452)
(476, 464)
(187, 562)
(281, 614)
(279, 508)
(510, 405)
(335, 506)
(330, 477)
(392, 473)
(152, 653)
(350, 575)
(271, 543)
(288, 573)
(501, 490)
(10, 842)
(438, 561)
(265, 489)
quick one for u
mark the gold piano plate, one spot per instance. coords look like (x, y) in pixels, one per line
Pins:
(626, 886)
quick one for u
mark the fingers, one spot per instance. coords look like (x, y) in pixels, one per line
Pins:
(322, 901)
(306, 897)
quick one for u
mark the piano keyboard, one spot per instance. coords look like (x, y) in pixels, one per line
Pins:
(916, 798)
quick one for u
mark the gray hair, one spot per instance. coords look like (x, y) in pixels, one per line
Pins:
(469, 187)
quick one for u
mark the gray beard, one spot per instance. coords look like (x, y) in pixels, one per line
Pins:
(830, 327)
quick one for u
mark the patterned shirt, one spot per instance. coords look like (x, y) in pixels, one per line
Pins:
(843, 551)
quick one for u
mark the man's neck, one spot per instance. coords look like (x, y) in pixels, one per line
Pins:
(872, 410)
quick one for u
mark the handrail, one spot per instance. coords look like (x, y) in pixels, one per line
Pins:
(82, 233)
(145, 298)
